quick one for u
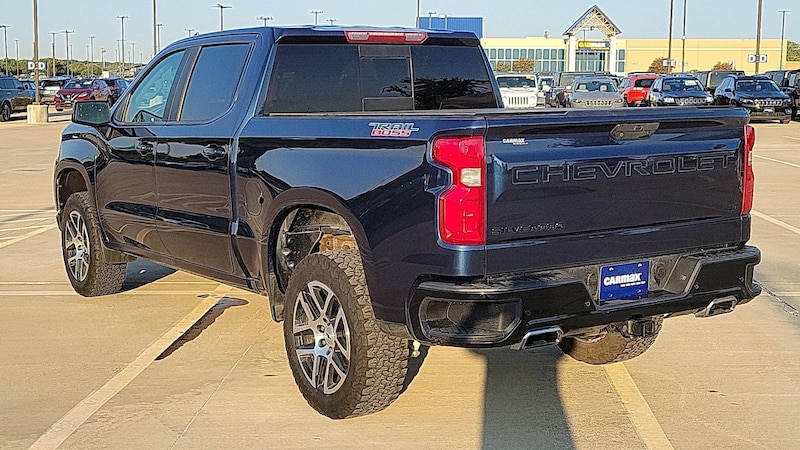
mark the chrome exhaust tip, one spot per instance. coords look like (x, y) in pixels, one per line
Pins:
(718, 306)
(539, 338)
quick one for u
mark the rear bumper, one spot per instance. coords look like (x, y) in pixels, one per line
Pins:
(502, 310)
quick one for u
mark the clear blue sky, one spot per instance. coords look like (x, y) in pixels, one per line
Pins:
(502, 18)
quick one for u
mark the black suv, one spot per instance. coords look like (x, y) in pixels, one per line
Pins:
(14, 97)
(118, 87)
(789, 82)
(672, 90)
(758, 94)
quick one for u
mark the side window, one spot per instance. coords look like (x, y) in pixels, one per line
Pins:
(212, 85)
(148, 101)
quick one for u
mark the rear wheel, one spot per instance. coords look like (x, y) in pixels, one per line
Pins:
(785, 121)
(82, 250)
(614, 344)
(5, 112)
(343, 364)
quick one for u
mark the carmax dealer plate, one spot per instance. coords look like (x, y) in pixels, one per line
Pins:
(624, 281)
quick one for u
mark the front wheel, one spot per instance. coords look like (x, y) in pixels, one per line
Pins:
(613, 344)
(82, 250)
(343, 364)
(5, 112)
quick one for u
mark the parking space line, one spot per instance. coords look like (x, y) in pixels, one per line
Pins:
(792, 138)
(28, 235)
(29, 227)
(777, 222)
(64, 427)
(778, 161)
(639, 412)
(74, 294)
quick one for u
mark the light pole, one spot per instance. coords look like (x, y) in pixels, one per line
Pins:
(53, 36)
(155, 30)
(189, 30)
(5, 39)
(91, 55)
(316, 14)
(669, 45)
(103, 58)
(444, 18)
(417, 24)
(122, 52)
(683, 40)
(38, 98)
(221, 9)
(758, 34)
(133, 54)
(66, 36)
(16, 43)
(430, 15)
(70, 54)
(265, 19)
(783, 28)
(332, 21)
(158, 39)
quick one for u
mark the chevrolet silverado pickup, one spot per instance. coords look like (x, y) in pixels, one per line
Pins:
(370, 183)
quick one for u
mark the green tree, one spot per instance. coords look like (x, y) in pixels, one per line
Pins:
(523, 65)
(657, 66)
(792, 51)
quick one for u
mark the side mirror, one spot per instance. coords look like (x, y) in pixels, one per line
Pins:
(728, 90)
(655, 90)
(91, 113)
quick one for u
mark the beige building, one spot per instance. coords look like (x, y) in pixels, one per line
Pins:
(606, 52)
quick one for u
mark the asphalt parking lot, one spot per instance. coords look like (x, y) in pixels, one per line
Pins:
(176, 361)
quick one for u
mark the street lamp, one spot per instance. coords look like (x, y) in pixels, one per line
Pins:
(158, 39)
(430, 15)
(53, 36)
(783, 28)
(91, 55)
(316, 14)
(221, 8)
(444, 18)
(265, 19)
(103, 58)
(16, 43)
(189, 30)
(758, 34)
(38, 97)
(5, 39)
(133, 54)
(669, 45)
(122, 52)
(66, 35)
(155, 30)
(683, 40)
(332, 21)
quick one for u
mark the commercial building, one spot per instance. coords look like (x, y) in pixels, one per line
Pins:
(592, 44)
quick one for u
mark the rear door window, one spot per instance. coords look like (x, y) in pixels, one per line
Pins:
(212, 85)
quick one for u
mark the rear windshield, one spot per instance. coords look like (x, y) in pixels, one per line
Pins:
(594, 86)
(351, 78)
(717, 77)
(643, 82)
(682, 85)
(78, 84)
(52, 83)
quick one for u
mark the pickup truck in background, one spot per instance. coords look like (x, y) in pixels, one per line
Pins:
(369, 182)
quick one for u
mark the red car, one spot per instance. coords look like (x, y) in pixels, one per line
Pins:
(81, 90)
(636, 87)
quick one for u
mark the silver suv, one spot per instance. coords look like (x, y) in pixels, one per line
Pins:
(14, 97)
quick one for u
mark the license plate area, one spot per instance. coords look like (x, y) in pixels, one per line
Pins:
(769, 110)
(624, 281)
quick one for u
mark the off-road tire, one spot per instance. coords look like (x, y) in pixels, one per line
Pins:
(101, 278)
(5, 112)
(785, 121)
(378, 362)
(611, 347)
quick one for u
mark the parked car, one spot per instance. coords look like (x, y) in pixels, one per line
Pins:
(635, 88)
(712, 78)
(519, 90)
(756, 93)
(789, 82)
(82, 90)
(594, 92)
(49, 87)
(564, 80)
(668, 90)
(117, 86)
(14, 97)
(546, 82)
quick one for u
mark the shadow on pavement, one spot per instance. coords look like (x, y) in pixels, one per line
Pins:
(522, 403)
(209, 318)
(141, 272)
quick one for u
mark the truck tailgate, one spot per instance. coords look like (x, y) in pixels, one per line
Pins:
(576, 172)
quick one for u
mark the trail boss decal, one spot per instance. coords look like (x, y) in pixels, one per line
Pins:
(392, 129)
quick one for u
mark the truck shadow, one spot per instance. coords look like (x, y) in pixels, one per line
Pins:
(142, 272)
(522, 403)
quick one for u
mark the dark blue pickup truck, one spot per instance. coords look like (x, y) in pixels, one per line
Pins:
(369, 182)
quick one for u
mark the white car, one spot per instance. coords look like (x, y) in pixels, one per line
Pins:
(518, 90)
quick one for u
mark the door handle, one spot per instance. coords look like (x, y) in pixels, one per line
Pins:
(144, 148)
(213, 152)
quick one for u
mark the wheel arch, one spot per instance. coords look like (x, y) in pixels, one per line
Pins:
(69, 179)
(306, 216)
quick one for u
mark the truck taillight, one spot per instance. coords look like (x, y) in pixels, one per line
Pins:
(462, 207)
(748, 179)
